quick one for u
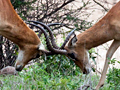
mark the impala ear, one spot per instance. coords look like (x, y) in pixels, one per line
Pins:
(41, 47)
(73, 41)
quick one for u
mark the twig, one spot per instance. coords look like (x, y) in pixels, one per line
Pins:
(96, 70)
(85, 87)
(101, 5)
(57, 9)
(1, 84)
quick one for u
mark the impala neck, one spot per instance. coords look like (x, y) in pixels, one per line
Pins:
(20, 35)
(96, 35)
(13, 27)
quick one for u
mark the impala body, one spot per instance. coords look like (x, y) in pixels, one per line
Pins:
(13, 28)
(108, 28)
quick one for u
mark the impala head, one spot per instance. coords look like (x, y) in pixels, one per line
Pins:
(28, 53)
(34, 50)
(79, 55)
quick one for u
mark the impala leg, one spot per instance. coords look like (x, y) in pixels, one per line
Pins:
(109, 54)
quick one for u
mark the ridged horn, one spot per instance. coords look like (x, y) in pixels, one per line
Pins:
(49, 46)
(67, 38)
(50, 32)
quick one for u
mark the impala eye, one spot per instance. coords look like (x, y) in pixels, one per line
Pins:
(37, 56)
(72, 56)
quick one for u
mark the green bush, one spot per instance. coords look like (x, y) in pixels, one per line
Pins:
(113, 78)
(60, 64)
(37, 78)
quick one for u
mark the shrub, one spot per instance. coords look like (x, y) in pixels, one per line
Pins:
(113, 78)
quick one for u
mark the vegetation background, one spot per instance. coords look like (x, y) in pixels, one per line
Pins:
(57, 72)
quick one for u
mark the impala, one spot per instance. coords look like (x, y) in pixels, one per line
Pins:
(13, 28)
(108, 28)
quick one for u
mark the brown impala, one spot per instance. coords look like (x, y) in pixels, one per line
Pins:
(108, 28)
(13, 28)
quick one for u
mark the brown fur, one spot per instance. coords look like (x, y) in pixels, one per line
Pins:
(108, 28)
(13, 28)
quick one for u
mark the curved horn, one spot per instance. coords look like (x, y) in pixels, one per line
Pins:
(51, 35)
(53, 24)
(53, 50)
(67, 38)
(49, 30)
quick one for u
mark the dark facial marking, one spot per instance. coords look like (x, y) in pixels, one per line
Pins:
(72, 56)
(38, 55)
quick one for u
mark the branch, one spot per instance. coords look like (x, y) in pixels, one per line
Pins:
(101, 5)
(85, 87)
(1, 83)
(57, 9)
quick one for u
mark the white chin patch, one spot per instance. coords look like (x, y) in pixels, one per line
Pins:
(41, 47)
(20, 55)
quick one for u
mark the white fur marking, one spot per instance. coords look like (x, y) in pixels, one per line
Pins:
(88, 55)
(20, 55)
(41, 47)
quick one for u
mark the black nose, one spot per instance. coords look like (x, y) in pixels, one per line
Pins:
(19, 68)
(86, 71)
